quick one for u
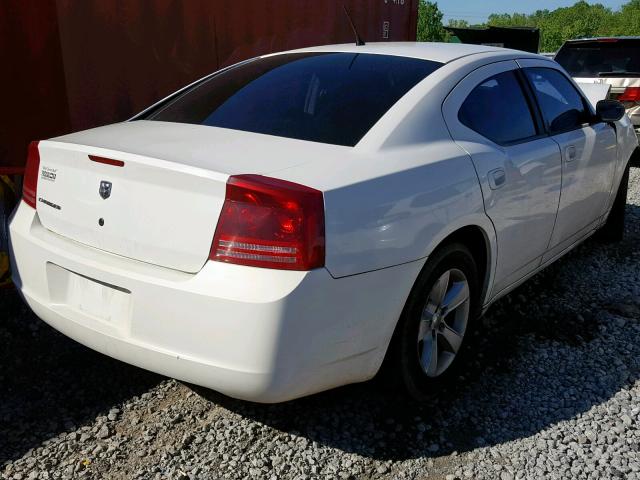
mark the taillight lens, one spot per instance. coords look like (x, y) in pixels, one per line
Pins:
(271, 223)
(630, 94)
(31, 172)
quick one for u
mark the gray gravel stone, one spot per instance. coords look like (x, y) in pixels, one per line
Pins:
(104, 432)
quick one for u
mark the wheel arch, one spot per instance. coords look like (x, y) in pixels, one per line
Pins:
(478, 234)
(477, 240)
(479, 237)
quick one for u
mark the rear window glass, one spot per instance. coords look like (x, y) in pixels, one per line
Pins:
(322, 97)
(620, 58)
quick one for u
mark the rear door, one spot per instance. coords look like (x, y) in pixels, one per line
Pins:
(588, 153)
(491, 118)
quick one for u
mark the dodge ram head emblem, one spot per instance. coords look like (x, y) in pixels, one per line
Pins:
(105, 189)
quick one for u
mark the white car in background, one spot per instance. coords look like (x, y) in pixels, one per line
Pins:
(285, 225)
(610, 61)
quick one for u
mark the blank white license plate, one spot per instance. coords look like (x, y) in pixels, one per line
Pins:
(90, 297)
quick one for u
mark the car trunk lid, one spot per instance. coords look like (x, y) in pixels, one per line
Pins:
(149, 191)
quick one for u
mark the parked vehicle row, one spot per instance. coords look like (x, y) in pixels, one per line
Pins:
(286, 225)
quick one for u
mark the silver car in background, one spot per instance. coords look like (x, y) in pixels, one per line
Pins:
(610, 60)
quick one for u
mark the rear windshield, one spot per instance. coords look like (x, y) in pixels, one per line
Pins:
(322, 97)
(604, 58)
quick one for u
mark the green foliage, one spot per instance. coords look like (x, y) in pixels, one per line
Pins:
(430, 27)
(580, 20)
(627, 22)
(458, 23)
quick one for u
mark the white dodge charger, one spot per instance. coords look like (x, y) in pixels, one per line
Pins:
(289, 224)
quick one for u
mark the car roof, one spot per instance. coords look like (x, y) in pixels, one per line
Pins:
(434, 51)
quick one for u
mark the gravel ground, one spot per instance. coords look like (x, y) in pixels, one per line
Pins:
(554, 392)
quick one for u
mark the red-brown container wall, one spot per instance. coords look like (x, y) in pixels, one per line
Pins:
(74, 64)
(34, 94)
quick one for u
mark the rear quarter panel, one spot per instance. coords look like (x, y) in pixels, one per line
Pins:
(399, 205)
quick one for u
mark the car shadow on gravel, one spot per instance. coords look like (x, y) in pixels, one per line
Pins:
(546, 353)
(50, 384)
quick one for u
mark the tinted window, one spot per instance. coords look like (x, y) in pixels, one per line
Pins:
(498, 110)
(323, 97)
(604, 58)
(562, 106)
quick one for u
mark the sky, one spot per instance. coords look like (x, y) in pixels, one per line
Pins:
(478, 11)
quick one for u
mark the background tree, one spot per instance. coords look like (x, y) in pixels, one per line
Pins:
(579, 20)
(430, 27)
(627, 21)
(458, 23)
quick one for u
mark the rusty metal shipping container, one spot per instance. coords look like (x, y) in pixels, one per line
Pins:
(75, 64)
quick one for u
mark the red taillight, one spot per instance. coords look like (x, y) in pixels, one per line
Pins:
(271, 223)
(31, 172)
(630, 94)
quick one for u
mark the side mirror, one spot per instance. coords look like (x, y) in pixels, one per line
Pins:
(609, 110)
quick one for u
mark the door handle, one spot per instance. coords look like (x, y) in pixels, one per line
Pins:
(570, 153)
(497, 178)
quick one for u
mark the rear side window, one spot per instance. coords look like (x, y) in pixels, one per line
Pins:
(322, 97)
(498, 110)
(562, 106)
(601, 58)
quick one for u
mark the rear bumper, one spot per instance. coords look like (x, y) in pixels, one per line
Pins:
(251, 333)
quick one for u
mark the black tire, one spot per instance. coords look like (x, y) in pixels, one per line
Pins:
(635, 158)
(403, 361)
(613, 229)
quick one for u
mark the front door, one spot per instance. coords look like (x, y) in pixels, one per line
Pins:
(588, 155)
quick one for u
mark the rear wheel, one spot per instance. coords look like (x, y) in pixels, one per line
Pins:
(613, 228)
(429, 340)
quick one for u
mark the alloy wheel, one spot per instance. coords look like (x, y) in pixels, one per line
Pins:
(443, 322)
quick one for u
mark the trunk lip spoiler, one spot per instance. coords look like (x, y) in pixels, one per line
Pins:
(106, 161)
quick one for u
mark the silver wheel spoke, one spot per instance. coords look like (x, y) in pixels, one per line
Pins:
(455, 296)
(430, 355)
(424, 329)
(440, 289)
(428, 311)
(452, 338)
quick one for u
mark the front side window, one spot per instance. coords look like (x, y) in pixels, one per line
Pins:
(562, 106)
(498, 110)
(321, 97)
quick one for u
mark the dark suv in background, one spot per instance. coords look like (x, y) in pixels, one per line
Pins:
(611, 60)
